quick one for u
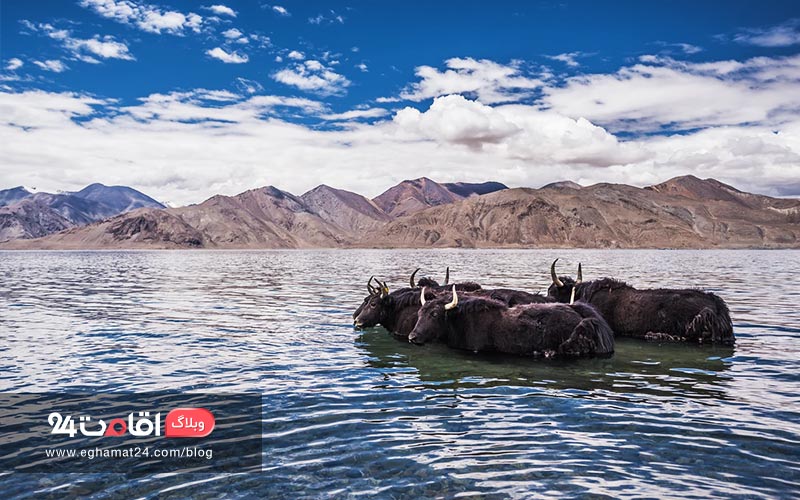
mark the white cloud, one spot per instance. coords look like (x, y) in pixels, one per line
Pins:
(782, 35)
(356, 114)
(248, 86)
(330, 17)
(227, 57)
(280, 10)
(14, 63)
(313, 76)
(261, 40)
(85, 49)
(683, 48)
(53, 65)
(187, 146)
(232, 33)
(567, 58)
(488, 81)
(296, 55)
(688, 48)
(149, 18)
(363, 67)
(222, 10)
(455, 119)
(662, 92)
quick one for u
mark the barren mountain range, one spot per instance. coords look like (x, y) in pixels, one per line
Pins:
(26, 214)
(684, 212)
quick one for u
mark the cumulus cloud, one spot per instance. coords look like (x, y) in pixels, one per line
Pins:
(488, 81)
(14, 63)
(280, 10)
(188, 146)
(146, 17)
(663, 92)
(232, 34)
(227, 57)
(222, 10)
(782, 35)
(296, 55)
(313, 76)
(53, 65)
(363, 67)
(739, 121)
(458, 120)
(85, 49)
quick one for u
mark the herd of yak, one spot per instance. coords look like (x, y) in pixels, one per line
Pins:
(576, 318)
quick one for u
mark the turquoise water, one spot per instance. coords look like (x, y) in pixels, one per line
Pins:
(349, 413)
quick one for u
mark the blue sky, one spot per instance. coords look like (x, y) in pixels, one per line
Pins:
(187, 99)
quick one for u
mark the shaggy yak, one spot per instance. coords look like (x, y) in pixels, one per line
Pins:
(479, 323)
(654, 314)
(397, 311)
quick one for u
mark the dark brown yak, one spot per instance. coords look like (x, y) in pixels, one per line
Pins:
(654, 314)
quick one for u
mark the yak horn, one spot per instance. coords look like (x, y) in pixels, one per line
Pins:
(422, 296)
(447, 276)
(370, 288)
(557, 282)
(575, 286)
(412, 277)
(384, 289)
(454, 302)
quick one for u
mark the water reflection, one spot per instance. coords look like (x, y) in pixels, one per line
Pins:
(637, 370)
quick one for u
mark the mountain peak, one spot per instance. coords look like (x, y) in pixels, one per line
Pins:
(467, 189)
(13, 195)
(695, 188)
(414, 195)
(562, 185)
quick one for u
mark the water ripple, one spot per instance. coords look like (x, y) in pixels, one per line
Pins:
(351, 413)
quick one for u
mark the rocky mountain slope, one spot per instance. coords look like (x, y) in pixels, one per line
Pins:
(351, 212)
(9, 196)
(684, 212)
(32, 215)
(411, 196)
(119, 199)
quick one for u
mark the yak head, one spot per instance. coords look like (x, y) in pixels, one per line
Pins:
(373, 308)
(563, 288)
(432, 318)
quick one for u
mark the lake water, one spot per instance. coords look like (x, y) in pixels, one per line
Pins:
(349, 413)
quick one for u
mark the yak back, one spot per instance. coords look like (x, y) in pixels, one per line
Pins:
(513, 297)
(688, 314)
(485, 324)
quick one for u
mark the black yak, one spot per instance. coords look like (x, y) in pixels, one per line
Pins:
(397, 311)
(654, 314)
(478, 323)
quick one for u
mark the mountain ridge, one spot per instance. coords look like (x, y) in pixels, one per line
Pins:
(682, 212)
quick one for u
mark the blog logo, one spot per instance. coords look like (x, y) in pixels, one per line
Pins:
(180, 423)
